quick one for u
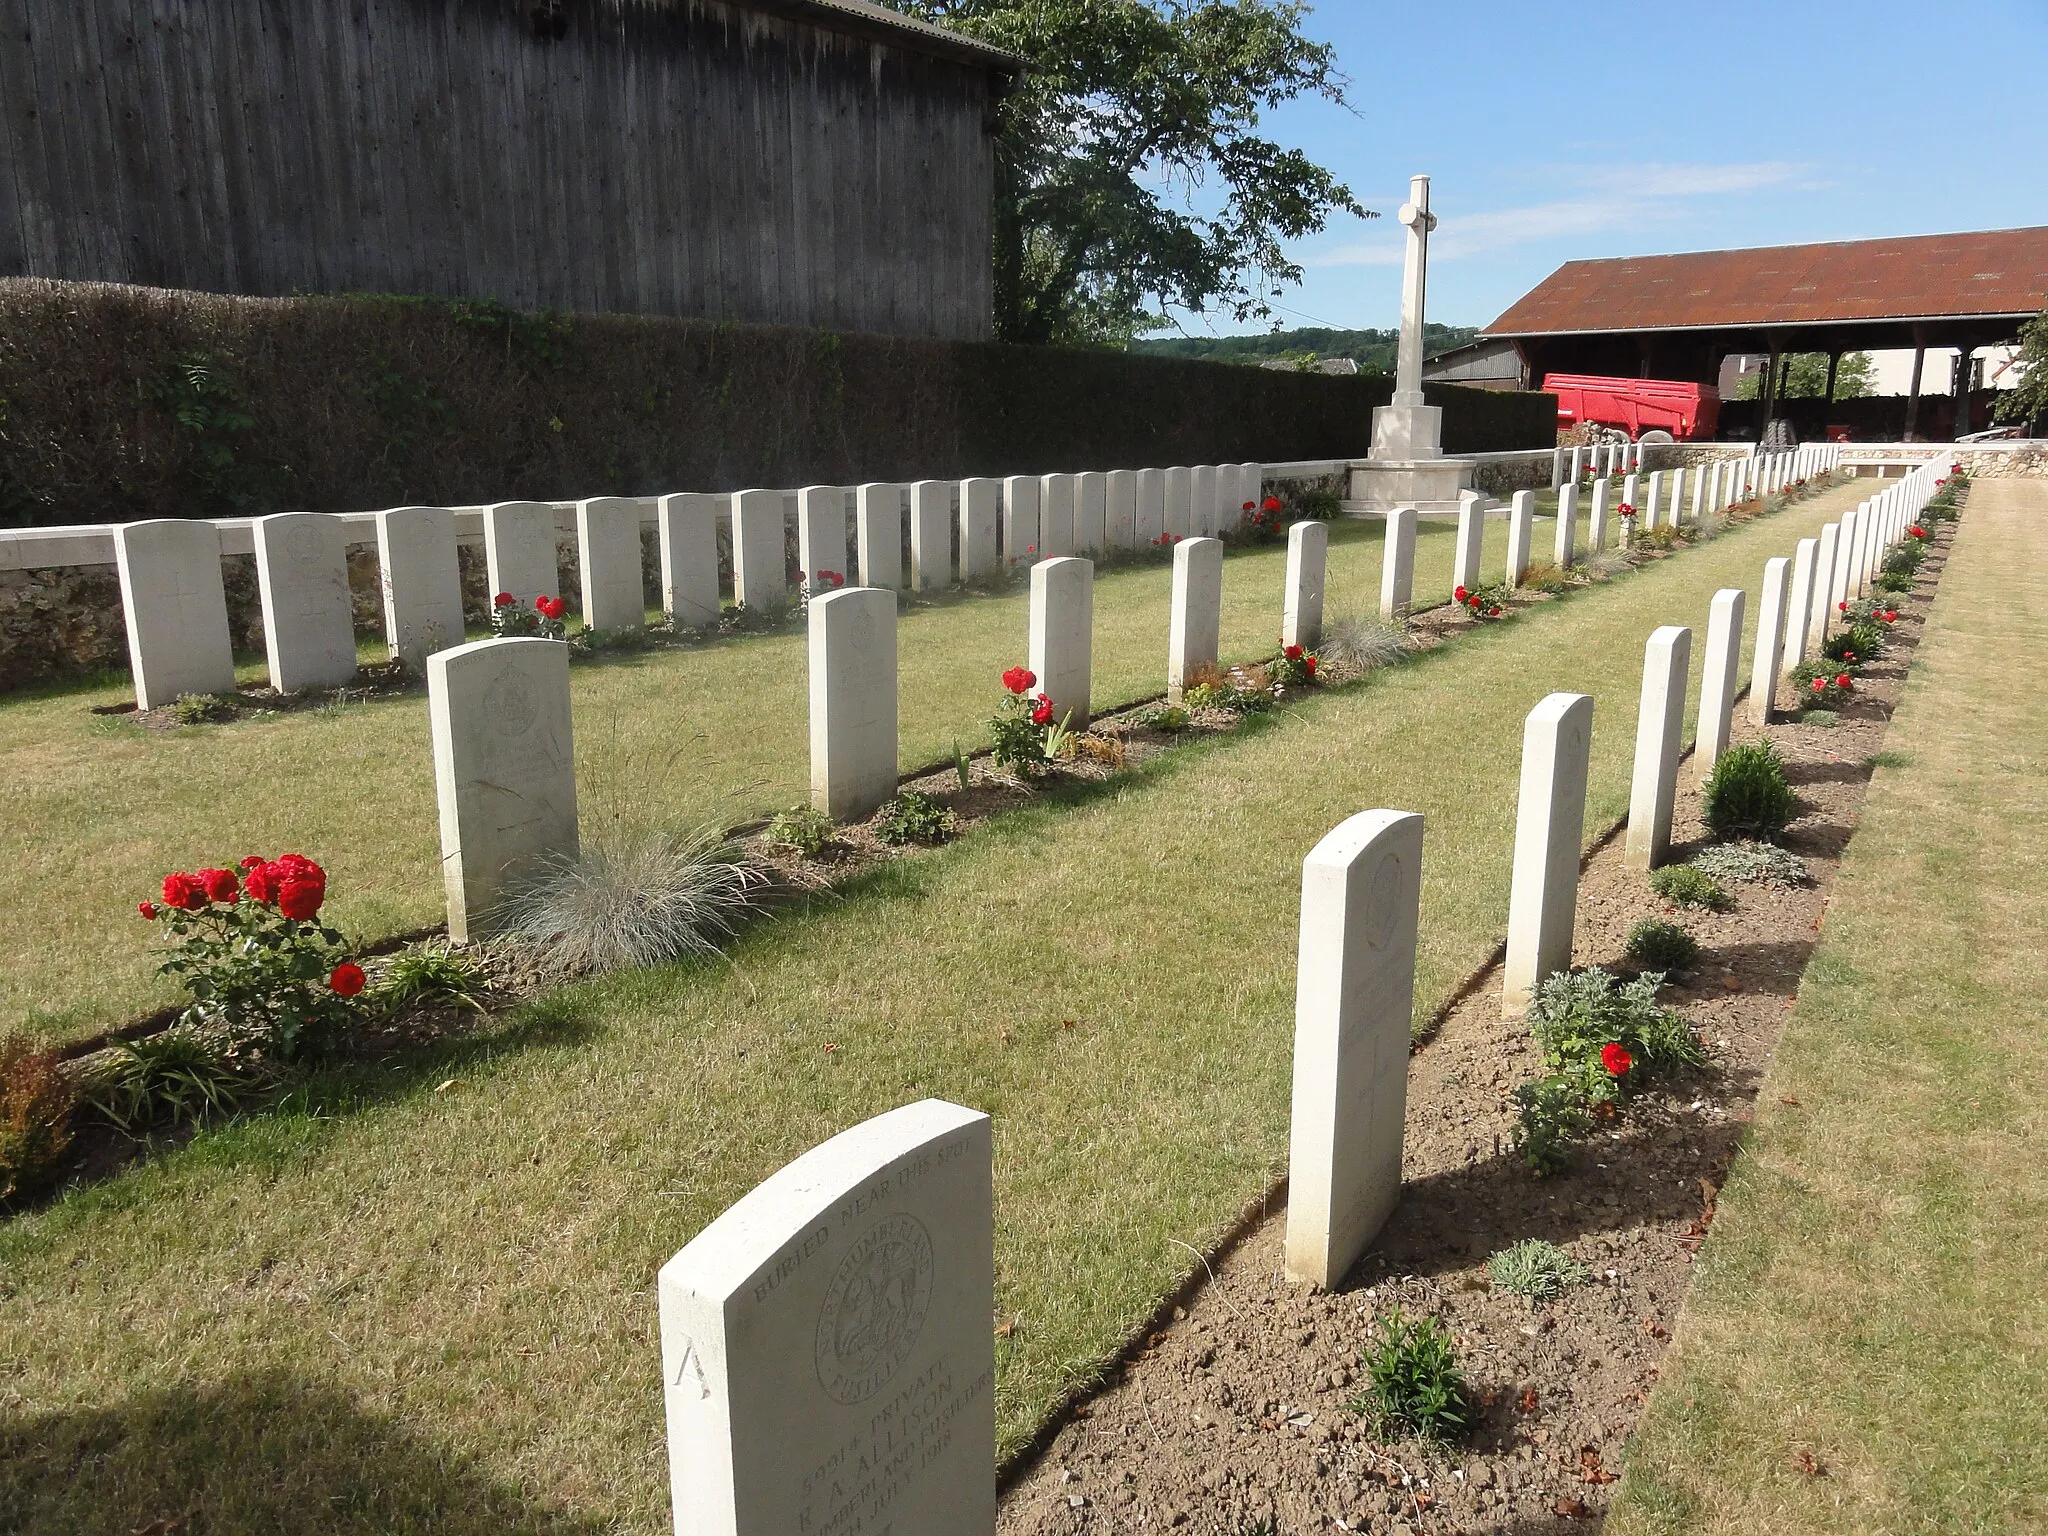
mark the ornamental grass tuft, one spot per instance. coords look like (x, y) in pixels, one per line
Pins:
(1747, 796)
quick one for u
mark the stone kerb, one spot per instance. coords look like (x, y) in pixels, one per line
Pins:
(821, 534)
(1194, 630)
(1550, 822)
(1179, 501)
(1823, 580)
(1770, 638)
(1202, 518)
(504, 771)
(421, 581)
(980, 510)
(1799, 604)
(1562, 551)
(1120, 509)
(1397, 565)
(176, 608)
(688, 524)
(1471, 542)
(827, 1357)
(1056, 502)
(1660, 735)
(1521, 535)
(608, 546)
(309, 631)
(1062, 624)
(1020, 518)
(852, 651)
(1091, 513)
(760, 569)
(1354, 1000)
(878, 530)
(1151, 509)
(519, 550)
(1719, 678)
(931, 535)
(1301, 608)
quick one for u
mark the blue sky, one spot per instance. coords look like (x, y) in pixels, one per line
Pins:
(1558, 131)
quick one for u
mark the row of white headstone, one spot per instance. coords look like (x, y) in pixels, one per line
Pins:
(827, 1359)
(1603, 460)
(175, 600)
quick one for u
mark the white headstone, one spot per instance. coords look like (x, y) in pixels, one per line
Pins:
(1845, 555)
(1301, 611)
(878, 530)
(1062, 635)
(688, 524)
(828, 1360)
(176, 608)
(1660, 736)
(1800, 605)
(1253, 487)
(1719, 678)
(1770, 633)
(504, 771)
(1202, 500)
(980, 511)
(760, 570)
(1151, 511)
(1179, 502)
(1859, 554)
(1020, 519)
(1823, 608)
(1056, 503)
(1091, 512)
(1521, 535)
(608, 554)
(1550, 822)
(519, 551)
(1632, 497)
(1195, 628)
(1562, 552)
(1471, 543)
(1354, 1001)
(309, 626)
(1397, 565)
(1120, 509)
(1596, 522)
(422, 582)
(853, 701)
(1699, 491)
(821, 536)
(1677, 497)
(1557, 458)
(931, 535)
(1715, 502)
(1577, 464)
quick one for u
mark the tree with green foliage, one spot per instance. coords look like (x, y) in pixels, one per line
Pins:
(1807, 379)
(2029, 398)
(1128, 109)
(1373, 351)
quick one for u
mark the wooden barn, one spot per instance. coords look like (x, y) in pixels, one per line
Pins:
(819, 163)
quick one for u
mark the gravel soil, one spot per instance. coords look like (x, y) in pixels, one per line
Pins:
(1232, 1414)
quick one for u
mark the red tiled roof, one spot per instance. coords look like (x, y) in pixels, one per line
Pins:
(1993, 272)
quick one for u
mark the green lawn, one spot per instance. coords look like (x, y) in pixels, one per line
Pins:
(422, 1299)
(1874, 1293)
(102, 809)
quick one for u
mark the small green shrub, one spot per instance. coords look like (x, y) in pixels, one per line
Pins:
(1683, 885)
(1552, 1112)
(37, 1099)
(1416, 1383)
(1905, 560)
(1321, 505)
(962, 766)
(1578, 1013)
(1657, 945)
(1168, 718)
(803, 827)
(179, 1075)
(1894, 581)
(1826, 719)
(1535, 1269)
(913, 818)
(204, 708)
(1755, 863)
(432, 974)
(1823, 686)
(1747, 795)
(1483, 602)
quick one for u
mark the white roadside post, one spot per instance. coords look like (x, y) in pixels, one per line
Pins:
(1062, 626)
(1719, 678)
(1550, 823)
(504, 771)
(1194, 629)
(1354, 1002)
(422, 582)
(688, 524)
(175, 604)
(309, 630)
(1301, 614)
(1660, 736)
(852, 646)
(827, 1359)
(1770, 634)
(1397, 565)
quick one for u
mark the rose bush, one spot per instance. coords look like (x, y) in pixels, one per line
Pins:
(543, 621)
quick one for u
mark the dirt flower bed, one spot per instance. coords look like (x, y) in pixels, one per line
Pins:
(1233, 1413)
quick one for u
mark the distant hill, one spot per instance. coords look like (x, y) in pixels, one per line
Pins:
(1373, 350)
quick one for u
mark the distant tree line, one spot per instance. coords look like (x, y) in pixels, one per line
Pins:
(1373, 351)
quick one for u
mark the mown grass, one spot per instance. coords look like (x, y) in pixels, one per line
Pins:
(1874, 1293)
(445, 1272)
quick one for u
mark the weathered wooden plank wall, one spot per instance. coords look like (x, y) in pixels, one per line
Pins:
(673, 157)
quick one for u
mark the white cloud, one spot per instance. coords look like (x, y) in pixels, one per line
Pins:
(1605, 198)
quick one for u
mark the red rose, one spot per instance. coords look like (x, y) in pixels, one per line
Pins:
(1626, 510)
(1842, 607)
(1248, 506)
(1030, 549)
(347, 979)
(299, 900)
(261, 880)
(254, 861)
(504, 600)
(1042, 714)
(1615, 1058)
(1272, 503)
(147, 909)
(1292, 652)
(184, 892)
(550, 607)
(220, 884)
(1843, 680)
(1310, 663)
(1460, 595)
(1493, 613)
(1019, 679)
(1819, 684)
(1848, 655)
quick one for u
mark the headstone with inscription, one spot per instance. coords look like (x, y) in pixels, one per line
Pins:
(175, 603)
(421, 580)
(1195, 622)
(608, 551)
(308, 616)
(688, 524)
(1062, 627)
(1151, 509)
(519, 550)
(931, 535)
(1550, 823)
(760, 570)
(1020, 519)
(1301, 609)
(980, 510)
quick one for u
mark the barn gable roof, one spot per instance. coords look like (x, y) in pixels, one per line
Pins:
(864, 18)
(1989, 273)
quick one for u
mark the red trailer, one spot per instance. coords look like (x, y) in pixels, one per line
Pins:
(1636, 405)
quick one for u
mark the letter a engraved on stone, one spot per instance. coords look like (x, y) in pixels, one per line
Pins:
(692, 1368)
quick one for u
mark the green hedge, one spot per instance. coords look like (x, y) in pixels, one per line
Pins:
(130, 402)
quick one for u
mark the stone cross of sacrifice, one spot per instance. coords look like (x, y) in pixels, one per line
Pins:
(1420, 221)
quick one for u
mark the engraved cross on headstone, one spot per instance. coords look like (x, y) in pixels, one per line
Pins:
(1415, 215)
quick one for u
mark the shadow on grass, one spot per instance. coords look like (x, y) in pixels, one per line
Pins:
(259, 1452)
